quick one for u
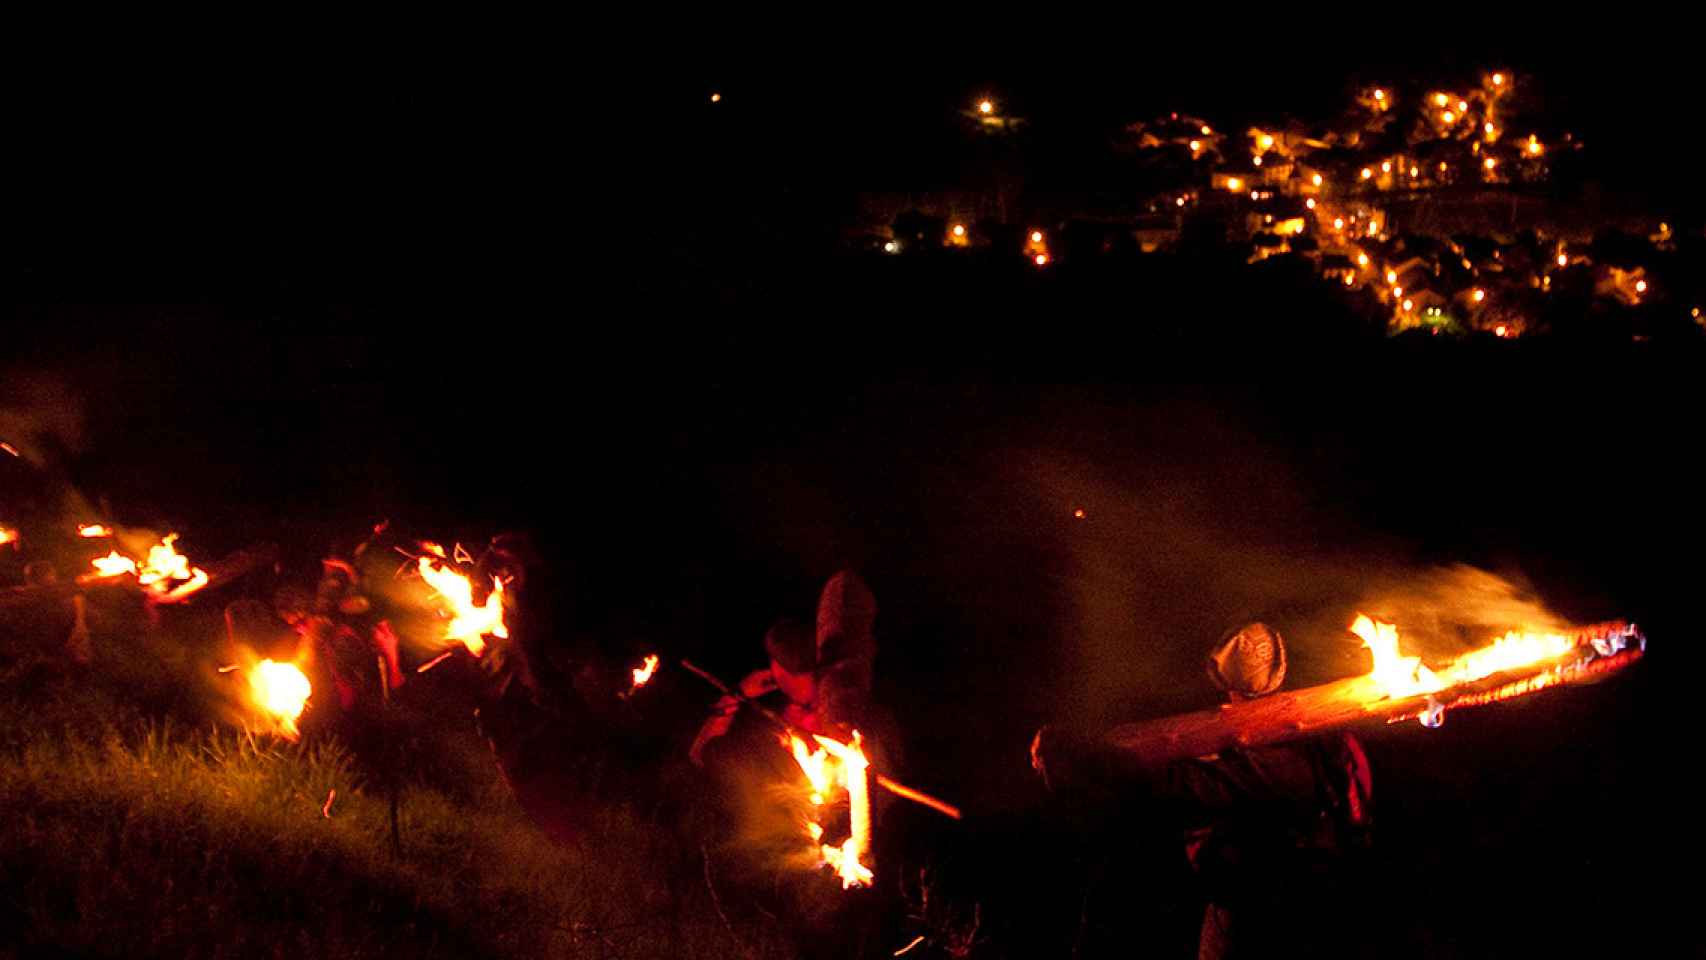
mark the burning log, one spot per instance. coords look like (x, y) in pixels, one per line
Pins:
(1398, 689)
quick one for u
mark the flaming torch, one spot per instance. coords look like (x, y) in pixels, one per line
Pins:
(835, 765)
(167, 574)
(1398, 688)
(279, 692)
(470, 623)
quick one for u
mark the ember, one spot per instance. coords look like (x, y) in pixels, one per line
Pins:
(280, 691)
(94, 530)
(113, 564)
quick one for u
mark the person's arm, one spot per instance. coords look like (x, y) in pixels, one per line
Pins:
(753, 685)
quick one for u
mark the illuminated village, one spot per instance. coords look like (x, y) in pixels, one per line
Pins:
(1426, 205)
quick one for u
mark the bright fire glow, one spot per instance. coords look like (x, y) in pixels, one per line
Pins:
(985, 107)
(8, 535)
(280, 690)
(838, 765)
(114, 564)
(94, 530)
(1036, 236)
(1479, 295)
(167, 573)
(1399, 676)
(469, 623)
(1640, 286)
(1396, 675)
(643, 673)
(959, 230)
(1041, 259)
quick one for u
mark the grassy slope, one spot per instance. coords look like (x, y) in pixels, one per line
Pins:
(134, 824)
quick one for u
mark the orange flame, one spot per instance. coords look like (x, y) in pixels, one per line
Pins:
(113, 564)
(835, 764)
(643, 673)
(469, 623)
(165, 567)
(1400, 676)
(94, 530)
(7, 534)
(280, 691)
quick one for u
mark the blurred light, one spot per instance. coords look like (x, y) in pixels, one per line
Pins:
(1181, 201)
(1489, 163)
(1266, 141)
(1041, 259)
(985, 107)
(1338, 223)
(1442, 166)
(1037, 235)
(1254, 195)
(1441, 99)
(1373, 228)
(1499, 330)
(1489, 128)
(1386, 167)
(1205, 130)
(1362, 259)
(1695, 313)
(1391, 276)
(1640, 286)
(1563, 260)
(1462, 106)
(1316, 179)
(1664, 227)
(1414, 171)
(1349, 280)
(1196, 145)
(1233, 183)
(1256, 160)
(1380, 94)
(1498, 79)
(1480, 295)
(1397, 291)
(1408, 306)
(1448, 117)
(959, 230)
(1310, 203)
(890, 247)
(1366, 173)
(1079, 513)
(716, 98)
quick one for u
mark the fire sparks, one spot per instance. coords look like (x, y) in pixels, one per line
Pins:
(280, 691)
(643, 673)
(94, 531)
(833, 765)
(470, 623)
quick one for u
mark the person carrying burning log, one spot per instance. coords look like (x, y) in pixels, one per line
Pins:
(1270, 831)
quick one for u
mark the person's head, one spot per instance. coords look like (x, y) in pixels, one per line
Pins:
(793, 659)
(1248, 662)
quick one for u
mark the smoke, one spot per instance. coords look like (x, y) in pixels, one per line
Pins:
(40, 417)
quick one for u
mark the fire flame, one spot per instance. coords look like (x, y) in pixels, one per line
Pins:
(1400, 676)
(114, 564)
(643, 673)
(835, 764)
(7, 534)
(94, 530)
(280, 690)
(469, 623)
(165, 567)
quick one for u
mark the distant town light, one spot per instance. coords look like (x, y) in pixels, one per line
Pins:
(1254, 195)
(1310, 203)
(1479, 295)
(1180, 201)
(1037, 235)
(1664, 227)
(890, 247)
(1233, 183)
(1448, 117)
(1391, 276)
(716, 98)
(1499, 330)
(1338, 223)
(1441, 99)
(1563, 260)
(1397, 291)
(1695, 313)
(1316, 179)
(1379, 94)
(1386, 167)
(1442, 166)
(1462, 106)
(1414, 171)
(1498, 79)
(1362, 259)
(1196, 145)
(1488, 128)
(1266, 141)
(1256, 160)
(1373, 228)
(985, 107)
(1366, 173)
(1408, 306)
(1640, 286)
(1534, 146)
(1349, 280)
(959, 229)
(1205, 130)
(1489, 163)
(1041, 259)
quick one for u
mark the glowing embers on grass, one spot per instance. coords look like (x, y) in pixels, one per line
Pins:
(279, 692)
(831, 767)
(167, 575)
(469, 623)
